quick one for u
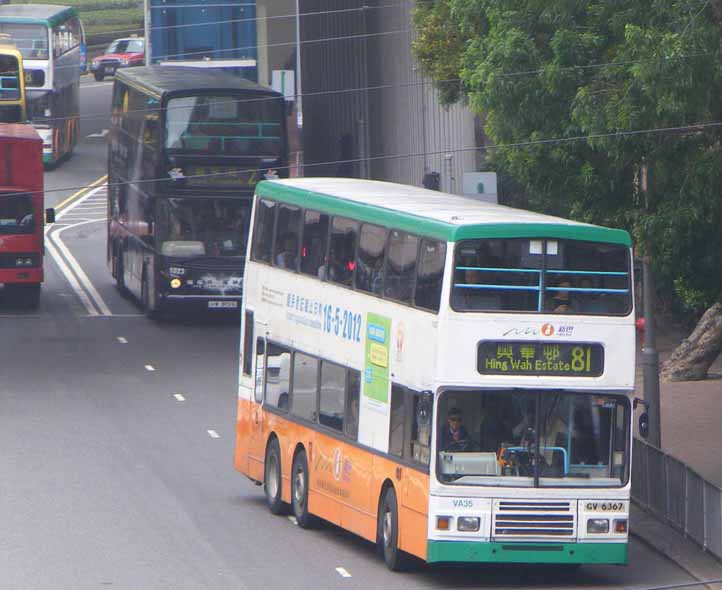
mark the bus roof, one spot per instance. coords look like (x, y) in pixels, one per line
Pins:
(430, 213)
(161, 80)
(18, 131)
(49, 14)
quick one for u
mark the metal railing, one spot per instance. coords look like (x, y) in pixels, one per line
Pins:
(676, 494)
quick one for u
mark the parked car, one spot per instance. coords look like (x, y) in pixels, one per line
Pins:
(122, 53)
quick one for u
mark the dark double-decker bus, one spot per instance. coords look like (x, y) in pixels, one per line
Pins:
(186, 149)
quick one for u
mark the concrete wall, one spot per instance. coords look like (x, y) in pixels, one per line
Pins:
(365, 100)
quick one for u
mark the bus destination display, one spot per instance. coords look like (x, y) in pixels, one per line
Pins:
(564, 359)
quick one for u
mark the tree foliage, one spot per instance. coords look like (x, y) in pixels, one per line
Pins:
(586, 104)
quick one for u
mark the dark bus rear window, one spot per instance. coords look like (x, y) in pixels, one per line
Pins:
(542, 276)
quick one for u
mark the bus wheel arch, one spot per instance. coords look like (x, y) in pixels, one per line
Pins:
(272, 480)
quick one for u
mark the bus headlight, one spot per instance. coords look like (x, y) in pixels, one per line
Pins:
(598, 525)
(467, 524)
(175, 284)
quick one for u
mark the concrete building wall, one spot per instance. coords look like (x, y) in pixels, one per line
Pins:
(366, 109)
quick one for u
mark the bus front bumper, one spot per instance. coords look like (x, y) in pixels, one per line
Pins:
(562, 553)
(12, 276)
(201, 303)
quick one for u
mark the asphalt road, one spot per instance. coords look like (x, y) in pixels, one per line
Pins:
(117, 437)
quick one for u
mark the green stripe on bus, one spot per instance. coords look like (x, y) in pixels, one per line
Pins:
(433, 228)
(572, 553)
(56, 19)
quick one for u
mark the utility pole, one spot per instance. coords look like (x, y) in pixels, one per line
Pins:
(650, 356)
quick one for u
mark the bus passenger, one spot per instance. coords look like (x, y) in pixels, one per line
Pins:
(560, 301)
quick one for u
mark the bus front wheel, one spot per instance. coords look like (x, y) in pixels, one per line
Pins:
(272, 477)
(299, 491)
(98, 77)
(151, 311)
(388, 533)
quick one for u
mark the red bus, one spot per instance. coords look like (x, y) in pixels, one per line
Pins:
(21, 213)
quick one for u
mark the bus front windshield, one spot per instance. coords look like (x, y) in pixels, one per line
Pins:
(229, 125)
(193, 227)
(530, 439)
(16, 214)
(31, 40)
(9, 78)
(542, 276)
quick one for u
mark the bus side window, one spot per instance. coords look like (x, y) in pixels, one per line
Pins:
(401, 266)
(420, 430)
(333, 384)
(248, 343)
(286, 241)
(263, 231)
(260, 369)
(396, 428)
(313, 246)
(304, 396)
(278, 376)
(430, 275)
(370, 259)
(353, 393)
(342, 251)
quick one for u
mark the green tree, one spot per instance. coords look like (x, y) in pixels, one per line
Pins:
(586, 104)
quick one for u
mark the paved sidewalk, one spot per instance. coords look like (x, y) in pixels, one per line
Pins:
(691, 415)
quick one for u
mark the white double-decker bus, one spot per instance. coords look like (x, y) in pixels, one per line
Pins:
(448, 378)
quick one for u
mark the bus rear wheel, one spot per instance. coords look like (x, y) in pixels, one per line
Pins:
(388, 534)
(272, 478)
(119, 273)
(299, 491)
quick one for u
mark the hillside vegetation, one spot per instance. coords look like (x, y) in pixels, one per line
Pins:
(104, 20)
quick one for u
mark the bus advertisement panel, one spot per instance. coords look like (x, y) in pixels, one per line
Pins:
(448, 378)
(21, 213)
(186, 149)
(50, 39)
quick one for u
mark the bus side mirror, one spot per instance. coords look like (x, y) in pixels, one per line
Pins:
(50, 215)
(643, 423)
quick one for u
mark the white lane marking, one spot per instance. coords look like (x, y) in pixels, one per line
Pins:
(213, 434)
(73, 272)
(122, 340)
(71, 279)
(293, 520)
(80, 273)
(149, 368)
(103, 133)
(179, 397)
(342, 572)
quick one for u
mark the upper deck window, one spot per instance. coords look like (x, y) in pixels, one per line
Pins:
(542, 276)
(31, 40)
(225, 125)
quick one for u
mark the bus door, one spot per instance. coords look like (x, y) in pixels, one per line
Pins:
(256, 443)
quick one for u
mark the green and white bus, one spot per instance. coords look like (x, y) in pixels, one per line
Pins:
(448, 378)
(52, 42)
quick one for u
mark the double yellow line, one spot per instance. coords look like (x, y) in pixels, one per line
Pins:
(80, 193)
